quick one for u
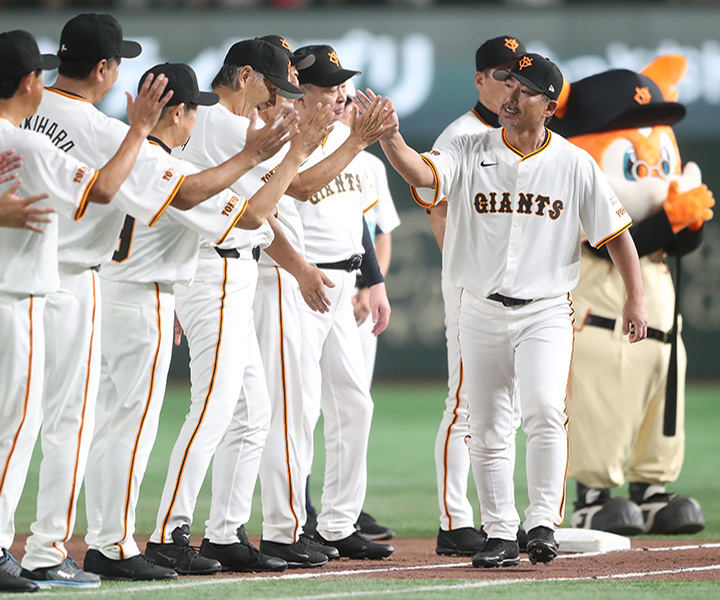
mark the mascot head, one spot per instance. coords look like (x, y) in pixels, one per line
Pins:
(623, 119)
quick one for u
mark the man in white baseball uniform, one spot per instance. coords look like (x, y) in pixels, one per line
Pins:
(334, 378)
(29, 278)
(15, 211)
(230, 410)
(91, 48)
(516, 199)
(457, 534)
(138, 308)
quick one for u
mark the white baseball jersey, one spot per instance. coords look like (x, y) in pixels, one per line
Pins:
(477, 120)
(168, 251)
(331, 217)
(513, 228)
(75, 126)
(205, 150)
(29, 260)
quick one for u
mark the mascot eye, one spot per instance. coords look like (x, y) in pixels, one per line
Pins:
(630, 164)
(665, 161)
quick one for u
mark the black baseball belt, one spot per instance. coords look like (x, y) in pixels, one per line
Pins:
(507, 301)
(605, 323)
(349, 264)
(234, 253)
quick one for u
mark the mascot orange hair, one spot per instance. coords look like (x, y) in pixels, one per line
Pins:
(617, 391)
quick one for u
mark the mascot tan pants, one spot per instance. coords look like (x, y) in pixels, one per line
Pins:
(617, 390)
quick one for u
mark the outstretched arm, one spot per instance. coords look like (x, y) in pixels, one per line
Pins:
(365, 130)
(406, 161)
(143, 114)
(624, 256)
(260, 145)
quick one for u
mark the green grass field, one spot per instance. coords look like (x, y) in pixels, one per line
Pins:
(401, 494)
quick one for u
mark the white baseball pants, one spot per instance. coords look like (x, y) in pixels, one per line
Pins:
(229, 408)
(334, 381)
(452, 460)
(22, 363)
(281, 476)
(531, 347)
(72, 374)
(137, 347)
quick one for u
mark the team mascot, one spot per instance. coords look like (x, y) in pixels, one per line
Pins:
(617, 390)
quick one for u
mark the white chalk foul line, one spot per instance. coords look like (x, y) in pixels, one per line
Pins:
(350, 572)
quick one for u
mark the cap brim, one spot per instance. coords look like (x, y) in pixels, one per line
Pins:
(207, 99)
(648, 115)
(49, 62)
(336, 78)
(130, 49)
(302, 62)
(285, 88)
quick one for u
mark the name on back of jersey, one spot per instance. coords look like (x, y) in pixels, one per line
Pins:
(58, 136)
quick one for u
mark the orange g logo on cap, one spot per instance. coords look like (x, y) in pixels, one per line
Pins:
(525, 61)
(642, 95)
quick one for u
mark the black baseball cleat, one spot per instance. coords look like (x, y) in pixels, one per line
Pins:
(10, 578)
(497, 553)
(329, 551)
(241, 556)
(541, 545)
(596, 509)
(465, 541)
(135, 568)
(356, 546)
(180, 557)
(665, 512)
(300, 555)
(66, 574)
(371, 529)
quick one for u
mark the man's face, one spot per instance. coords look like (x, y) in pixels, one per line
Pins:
(523, 108)
(262, 92)
(491, 91)
(334, 96)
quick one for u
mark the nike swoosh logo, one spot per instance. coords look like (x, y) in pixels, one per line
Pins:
(484, 164)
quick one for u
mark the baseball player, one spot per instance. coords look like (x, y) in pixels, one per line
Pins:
(138, 307)
(457, 534)
(230, 413)
(516, 198)
(29, 277)
(91, 47)
(333, 376)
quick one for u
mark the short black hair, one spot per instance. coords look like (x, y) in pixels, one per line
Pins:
(80, 68)
(189, 106)
(8, 87)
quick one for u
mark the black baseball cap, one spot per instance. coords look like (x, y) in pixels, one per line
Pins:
(301, 62)
(326, 70)
(91, 36)
(183, 82)
(267, 59)
(497, 51)
(615, 99)
(536, 72)
(20, 55)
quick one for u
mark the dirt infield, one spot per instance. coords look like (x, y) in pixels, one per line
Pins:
(416, 559)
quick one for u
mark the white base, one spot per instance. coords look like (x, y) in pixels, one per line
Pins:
(589, 540)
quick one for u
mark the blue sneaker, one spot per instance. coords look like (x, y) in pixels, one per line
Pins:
(64, 574)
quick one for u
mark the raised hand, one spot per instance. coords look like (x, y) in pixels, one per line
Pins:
(314, 129)
(281, 127)
(9, 161)
(20, 213)
(144, 111)
(385, 111)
